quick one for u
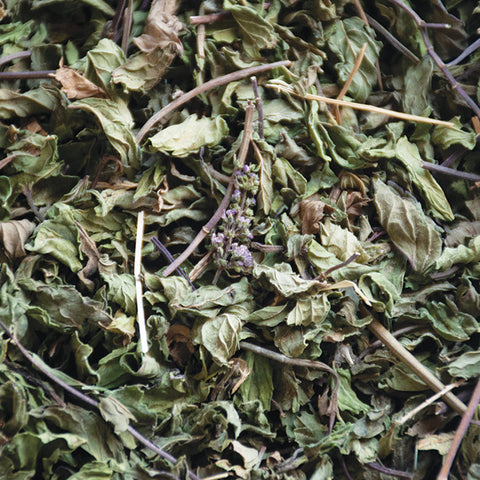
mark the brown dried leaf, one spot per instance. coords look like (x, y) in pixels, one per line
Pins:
(180, 344)
(13, 235)
(354, 202)
(159, 45)
(311, 213)
(75, 86)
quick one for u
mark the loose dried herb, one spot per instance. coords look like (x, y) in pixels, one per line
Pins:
(239, 239)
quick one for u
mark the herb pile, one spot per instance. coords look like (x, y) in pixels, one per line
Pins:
(285, 239)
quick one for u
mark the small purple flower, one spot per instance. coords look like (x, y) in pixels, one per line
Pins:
(241, 253)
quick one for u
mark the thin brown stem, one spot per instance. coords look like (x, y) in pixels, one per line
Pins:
(27, 75)
(267, 248)
(242, 154)
(210, 18)
(214, 83)
(169, 258)
(346, 85)
(417, 367)
(27, 191)
(389, 471)
(14, 56)
(324, 275)
(299, 362)
(397, 333)
(259, 105)
(435, 57)
(5, 161)
(200, 266)
(363, 16)
(127, 25)
(460, 433)
(472, 177)
(392, 40)
(468, 51)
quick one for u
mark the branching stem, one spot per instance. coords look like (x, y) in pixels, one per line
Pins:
(205, 87)
(242, 154)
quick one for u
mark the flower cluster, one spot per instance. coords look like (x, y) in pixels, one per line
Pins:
(230, 243)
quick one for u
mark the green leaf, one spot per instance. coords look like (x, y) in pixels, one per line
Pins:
(265, 188)
(117, 125)
(347, 398)
(58, 237)
(377, 286)
(121, 290)
(158, 46)
(219, 336)
(409, 155)
(410, 230)
(346, 41)
(13, 235)
(284, 281)
(341, 242)
(115, 413)
(101, 5)
(465, 366)
(448, 321)
(259, 383)
(101, 60)
(287, 176)
(445, 137)
(189, 136)
(418, 77)
(256, 32)
(309, 310)
(461, 254)
(41, 100)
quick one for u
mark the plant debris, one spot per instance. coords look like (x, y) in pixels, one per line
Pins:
(239, 240)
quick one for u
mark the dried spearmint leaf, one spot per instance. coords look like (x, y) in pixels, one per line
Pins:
(329, 188)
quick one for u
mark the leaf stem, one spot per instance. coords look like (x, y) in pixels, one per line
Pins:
(394, 42)
(363, 16)
(85, 398)
(472, 177)
(460, 433)
(389, 471)
(423, 372)
(468, 51)
(346, 85)
(169, 257)
(27, 75)
(259, 105)
(324, 275)
(5, 161)
(13, 56)
(216, 82)
(242, 154)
